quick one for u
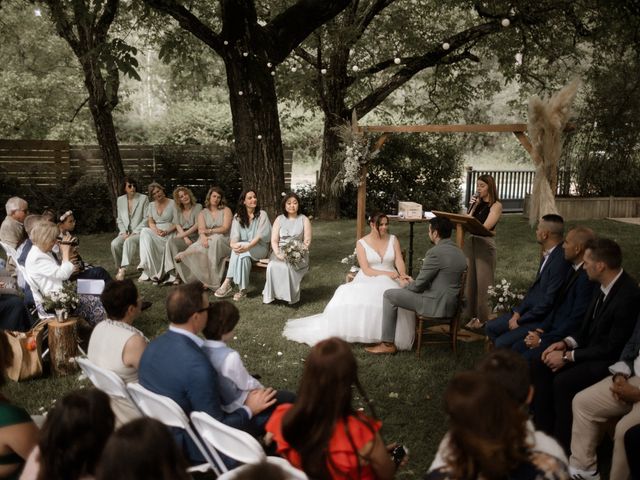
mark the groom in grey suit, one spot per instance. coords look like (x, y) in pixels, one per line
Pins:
(434, 293)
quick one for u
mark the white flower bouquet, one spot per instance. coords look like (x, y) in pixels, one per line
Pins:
(64, 299)
(352, 261)
(295, 253)
(502, 297)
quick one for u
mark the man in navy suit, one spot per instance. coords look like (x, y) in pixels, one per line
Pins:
(571, 302)
(507, 329)
(579, 361)
(175, 366)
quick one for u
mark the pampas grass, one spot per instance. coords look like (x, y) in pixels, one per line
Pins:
(547, 121)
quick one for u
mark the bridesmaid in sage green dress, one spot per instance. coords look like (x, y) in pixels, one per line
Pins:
(153, 239)
(249, 240)
(186, 223)
(283, 278)
(204, 260)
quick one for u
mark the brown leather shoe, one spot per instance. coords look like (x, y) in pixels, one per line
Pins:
(382, 348)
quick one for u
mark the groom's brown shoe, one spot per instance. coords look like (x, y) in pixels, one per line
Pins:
(382, 348)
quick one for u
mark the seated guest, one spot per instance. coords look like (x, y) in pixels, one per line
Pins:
(72, 437)
(249, 240)
(322, 433)
(579, 361)
(13, 314)
(615, 396)
(29, 222)
(18, 433)
(174, 365)
(571, 301)
(81, 269)
(143, 449)
(48, 275)
(488, 435)
(12, 229)
(511, 372)
(507, 329)
(235, 381)
(132, 218)
(116, 345)
(186, 222)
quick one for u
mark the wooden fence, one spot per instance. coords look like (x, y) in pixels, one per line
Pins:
(45, 163)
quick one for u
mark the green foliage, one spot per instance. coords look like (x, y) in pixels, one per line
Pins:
(87, 196)
(423, 169)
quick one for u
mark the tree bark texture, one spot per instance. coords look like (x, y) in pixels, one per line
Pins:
(63, 347)
(86, 31)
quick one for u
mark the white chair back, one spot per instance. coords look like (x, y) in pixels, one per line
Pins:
(230, 441)
(106, 380)
(237, 444)
(165, 410)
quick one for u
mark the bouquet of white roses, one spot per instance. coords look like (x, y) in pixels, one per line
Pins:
(294, 252)
(63, 299)
(352, 261)
(502, 297)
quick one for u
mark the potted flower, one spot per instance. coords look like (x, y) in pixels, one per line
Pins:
(503, 299)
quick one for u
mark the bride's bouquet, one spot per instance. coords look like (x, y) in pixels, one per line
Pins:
(294, 252)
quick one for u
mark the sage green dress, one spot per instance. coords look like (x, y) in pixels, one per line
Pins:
(176, 245)
(152, 245)
(206, 264)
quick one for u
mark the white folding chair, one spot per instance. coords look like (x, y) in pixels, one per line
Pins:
(105, 380)
(13, 254)
(237, 444)
(165, 410)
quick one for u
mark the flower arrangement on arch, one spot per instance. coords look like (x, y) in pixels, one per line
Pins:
(64, 299)
(502, 297)
(295, 252)
(357, 154)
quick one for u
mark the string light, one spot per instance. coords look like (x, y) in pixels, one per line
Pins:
(245, 54)
(445, 46)
(505, 22)
(397, 61)
(225, 42)
(240, 93)
(268, 64)
(323, 71)
(355, 68)
(293, 69)
(259, 137)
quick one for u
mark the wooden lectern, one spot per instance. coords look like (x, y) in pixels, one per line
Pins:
(464, 222)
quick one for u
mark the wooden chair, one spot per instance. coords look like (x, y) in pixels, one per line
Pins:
(454, 321)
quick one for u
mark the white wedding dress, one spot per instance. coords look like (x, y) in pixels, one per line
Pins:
(355, 311)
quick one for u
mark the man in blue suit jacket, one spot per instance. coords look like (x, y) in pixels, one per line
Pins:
(175, 366)
(507, 329)
(571, 302)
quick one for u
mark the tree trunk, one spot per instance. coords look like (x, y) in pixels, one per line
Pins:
(111, 160)
(63, 346)
(334, 92)
(256, 126)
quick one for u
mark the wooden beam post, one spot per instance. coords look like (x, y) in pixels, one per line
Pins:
(362, 204)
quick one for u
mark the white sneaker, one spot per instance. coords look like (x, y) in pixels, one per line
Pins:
(143, 278)
(577, 474)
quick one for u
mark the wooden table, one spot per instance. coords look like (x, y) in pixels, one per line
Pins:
(410, 221)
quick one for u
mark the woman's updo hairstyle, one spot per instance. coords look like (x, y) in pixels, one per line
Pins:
(376, 218)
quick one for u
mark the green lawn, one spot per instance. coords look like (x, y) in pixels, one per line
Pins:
(406, 390)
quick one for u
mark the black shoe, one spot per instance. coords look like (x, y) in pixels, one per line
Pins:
(145, 304)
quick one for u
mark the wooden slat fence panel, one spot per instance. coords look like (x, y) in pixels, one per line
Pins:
(41, 162)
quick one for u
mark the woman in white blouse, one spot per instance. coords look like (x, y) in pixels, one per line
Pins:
(48, 272)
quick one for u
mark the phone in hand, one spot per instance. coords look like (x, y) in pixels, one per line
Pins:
(398, 453)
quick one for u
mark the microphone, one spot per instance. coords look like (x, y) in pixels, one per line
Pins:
(474, 200)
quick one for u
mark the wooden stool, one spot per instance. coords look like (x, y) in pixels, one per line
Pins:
(63, 346)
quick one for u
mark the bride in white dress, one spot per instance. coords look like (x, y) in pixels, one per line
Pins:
(355, 311)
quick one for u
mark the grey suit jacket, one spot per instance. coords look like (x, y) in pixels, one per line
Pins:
(439, 279)
(139, 217)
(12, 232)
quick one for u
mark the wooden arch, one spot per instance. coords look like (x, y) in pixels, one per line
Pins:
(518, 129)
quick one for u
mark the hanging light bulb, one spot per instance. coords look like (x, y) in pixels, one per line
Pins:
(397, 60)
(505, 22)
(445, 46)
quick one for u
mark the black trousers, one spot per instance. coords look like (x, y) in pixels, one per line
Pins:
(554, 392)
(632, 447)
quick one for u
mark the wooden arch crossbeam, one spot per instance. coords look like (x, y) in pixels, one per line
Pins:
(518, 129)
